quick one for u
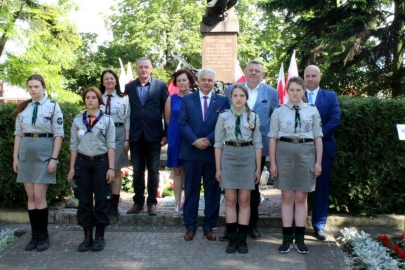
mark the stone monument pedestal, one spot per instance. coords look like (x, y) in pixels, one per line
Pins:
(219, 47)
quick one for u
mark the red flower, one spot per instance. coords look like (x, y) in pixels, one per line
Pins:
(382, 238)
(402, 254)
(397, 249)
(388, 244)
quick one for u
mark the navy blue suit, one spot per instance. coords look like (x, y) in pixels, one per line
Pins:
(328, 106)
(146, 132)
(200, 163)
(266, 102)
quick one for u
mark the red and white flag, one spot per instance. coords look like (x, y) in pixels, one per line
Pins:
(239, 76)
(173, 89)
(292, 72)
(123, 76)
(130, 76)
(282, 93)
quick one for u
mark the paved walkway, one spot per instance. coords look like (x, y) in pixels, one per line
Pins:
(163, 247)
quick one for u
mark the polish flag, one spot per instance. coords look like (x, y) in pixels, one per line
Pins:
(282, 93)
(239, 76)
(130, 76)
(173, 89)
(292, 72)
(123, 75)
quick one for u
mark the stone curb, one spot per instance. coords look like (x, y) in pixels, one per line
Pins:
(68, 217)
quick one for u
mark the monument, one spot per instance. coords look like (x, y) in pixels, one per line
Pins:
(219, 29)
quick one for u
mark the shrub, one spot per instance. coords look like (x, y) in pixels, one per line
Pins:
(13, 194)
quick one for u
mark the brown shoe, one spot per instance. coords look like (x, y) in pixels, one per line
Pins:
(152, 210)
(189, 235)
(210, 235)
(135, 209)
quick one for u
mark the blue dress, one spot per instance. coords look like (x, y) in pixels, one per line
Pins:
(174, 136)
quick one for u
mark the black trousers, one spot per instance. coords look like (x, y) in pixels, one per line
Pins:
(91, 180)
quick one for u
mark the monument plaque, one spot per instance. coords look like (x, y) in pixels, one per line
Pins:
(219, 47)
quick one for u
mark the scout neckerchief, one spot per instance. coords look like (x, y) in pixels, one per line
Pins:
(86, 123)
(237, 126)
(35, 113)
(297, 125)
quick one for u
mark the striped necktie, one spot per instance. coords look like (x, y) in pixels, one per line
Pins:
(297, 125)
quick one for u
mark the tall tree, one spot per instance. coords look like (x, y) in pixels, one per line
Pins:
(357, 43)
(157, 29)
(47, 40)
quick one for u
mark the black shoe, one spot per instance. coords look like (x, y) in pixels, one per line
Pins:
(321, 235)
(99, 241)
(285, 247)
(301, 248)
(32, 244)
(114, 211)
(242, 247)
(254, 233)
(224, 236)
(232, 246)
(88, 240)
(43, 243)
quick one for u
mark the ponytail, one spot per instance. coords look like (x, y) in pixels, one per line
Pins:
(21, 107)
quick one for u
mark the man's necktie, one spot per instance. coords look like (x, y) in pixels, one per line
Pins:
(205, 106)
(297, 125)
(108, 106)
(35, 113)
(311, 97)
(237, 126)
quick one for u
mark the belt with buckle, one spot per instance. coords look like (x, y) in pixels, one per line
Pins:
(238, 144)
(295, 140)
(38, 135)
(92, 157)
(119, 124)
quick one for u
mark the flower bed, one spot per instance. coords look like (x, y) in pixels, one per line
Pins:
(6, 237)
(368, 253)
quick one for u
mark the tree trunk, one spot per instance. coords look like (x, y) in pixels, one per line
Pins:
(8, 28)
(398, 47)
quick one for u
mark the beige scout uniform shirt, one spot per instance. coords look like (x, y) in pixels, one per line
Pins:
(49, 119)
(283, 122)
(225, 128)
(96, 142)
(120, 109)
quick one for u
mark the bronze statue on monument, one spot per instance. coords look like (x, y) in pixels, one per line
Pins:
(217, 11)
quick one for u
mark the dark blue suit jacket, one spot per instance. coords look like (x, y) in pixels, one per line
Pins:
(193, 127)
(328, 106)
(266, 102)
(147, 118)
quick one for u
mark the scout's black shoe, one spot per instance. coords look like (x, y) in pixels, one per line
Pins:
(88, 240)
(285, 247)
(43, 243)
(32, 244)
(232, 246)
(99, 242)
(242, 247)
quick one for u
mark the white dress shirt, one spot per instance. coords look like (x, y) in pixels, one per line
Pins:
(253, 93)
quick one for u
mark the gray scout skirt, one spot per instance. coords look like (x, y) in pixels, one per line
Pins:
(121, 159)
(33, 159)
(295, 165)
(238, 167)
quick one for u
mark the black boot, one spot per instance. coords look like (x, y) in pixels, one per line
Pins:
(242, 235)
(99, 241)
(32, 214)
(232, 235)
(88, 240)
(43, 238)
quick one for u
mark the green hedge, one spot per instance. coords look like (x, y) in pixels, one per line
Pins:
(369, 171)
(13, 194)
(368, 176)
